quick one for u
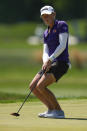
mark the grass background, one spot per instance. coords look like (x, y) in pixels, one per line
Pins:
(19, 62)
(75, 112)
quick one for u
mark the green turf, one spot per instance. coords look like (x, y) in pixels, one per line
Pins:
(18, 31)
(75, 112)
(18, 66)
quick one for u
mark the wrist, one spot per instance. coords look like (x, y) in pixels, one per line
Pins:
(51, 58)
(49, 62)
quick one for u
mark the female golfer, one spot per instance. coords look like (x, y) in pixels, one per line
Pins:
(55, 62)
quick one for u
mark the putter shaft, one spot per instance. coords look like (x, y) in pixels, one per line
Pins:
(17, 114)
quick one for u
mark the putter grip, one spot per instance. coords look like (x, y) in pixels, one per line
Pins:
(43, 71)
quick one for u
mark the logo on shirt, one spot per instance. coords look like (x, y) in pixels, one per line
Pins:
(54, 31)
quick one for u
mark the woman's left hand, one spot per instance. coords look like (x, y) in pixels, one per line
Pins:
(46, 66)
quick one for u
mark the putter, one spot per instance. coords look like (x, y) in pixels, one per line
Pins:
(17, 113)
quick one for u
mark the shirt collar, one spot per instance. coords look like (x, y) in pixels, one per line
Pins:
(55, 23)
(46, 33)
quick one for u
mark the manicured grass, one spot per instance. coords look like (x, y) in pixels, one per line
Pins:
(19, 62)
(75, 112)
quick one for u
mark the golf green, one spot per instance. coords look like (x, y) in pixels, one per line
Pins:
(75, 111)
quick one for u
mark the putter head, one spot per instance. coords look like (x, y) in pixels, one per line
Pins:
(15, 114)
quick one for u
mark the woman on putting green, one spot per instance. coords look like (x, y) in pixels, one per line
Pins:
(55, 62)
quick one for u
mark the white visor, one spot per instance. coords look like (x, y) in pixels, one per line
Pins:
(47, 10)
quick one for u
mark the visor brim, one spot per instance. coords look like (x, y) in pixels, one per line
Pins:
(46, 12)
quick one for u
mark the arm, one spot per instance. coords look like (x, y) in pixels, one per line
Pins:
(46, 61)
(45, 53)
(63, 40)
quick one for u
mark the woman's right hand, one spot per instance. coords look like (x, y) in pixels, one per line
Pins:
(46, 66)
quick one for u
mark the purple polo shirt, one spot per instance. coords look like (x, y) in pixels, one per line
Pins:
(52, 40)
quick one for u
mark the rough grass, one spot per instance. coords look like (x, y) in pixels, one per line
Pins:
(19, 64)
(17, 31)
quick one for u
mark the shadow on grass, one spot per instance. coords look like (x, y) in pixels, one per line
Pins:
(75, 118)
(66, 118)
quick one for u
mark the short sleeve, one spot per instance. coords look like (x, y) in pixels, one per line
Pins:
(63, 27)
(45, 34)
(44, 39)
